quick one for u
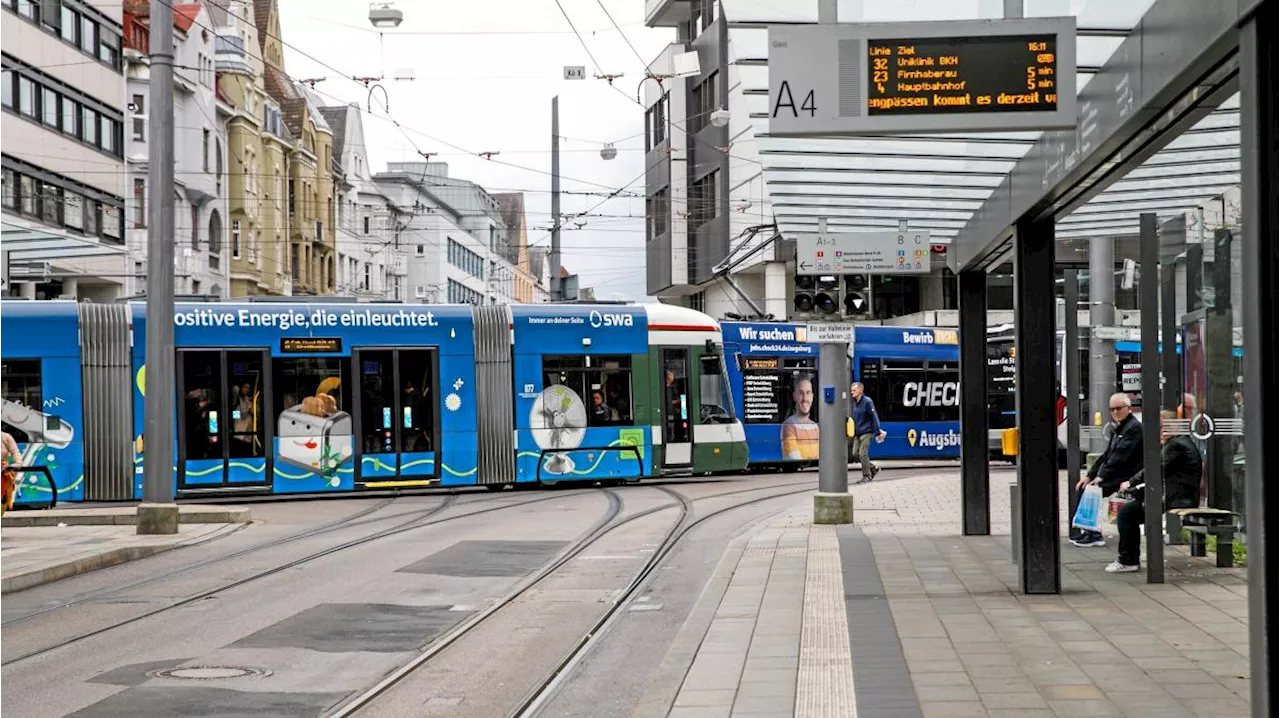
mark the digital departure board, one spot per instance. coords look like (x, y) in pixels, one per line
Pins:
(962, 74)
(922, 77)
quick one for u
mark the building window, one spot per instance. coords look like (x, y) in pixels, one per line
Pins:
(195, 227)
(291, 194)
(107, 135)
(51, 204)
(215, 232)
(368, 269)
(658, 213)
(26, 97)
(49, 107)
(70, 117)
(366, 225)
(419, 291)
(139, 202)
(655, 119)
(702, 200)
(205, 150)
(7, 90)
(88, 36)
(705, 101)
(235, 239)
(421, 250)
(70, 23)
(89, 125)
(217, 165)
(9, 192)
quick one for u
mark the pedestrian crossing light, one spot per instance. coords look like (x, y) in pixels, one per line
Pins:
(803, 302)
(857, 295)
(827, 299)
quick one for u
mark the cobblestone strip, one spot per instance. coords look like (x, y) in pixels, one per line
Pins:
(825, 682)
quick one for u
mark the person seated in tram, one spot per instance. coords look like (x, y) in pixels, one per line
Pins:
(601, 414)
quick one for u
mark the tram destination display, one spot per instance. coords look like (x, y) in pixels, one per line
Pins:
(968, 75)
(1015, 73)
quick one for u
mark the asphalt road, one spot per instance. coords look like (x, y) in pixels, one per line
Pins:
(316, 602)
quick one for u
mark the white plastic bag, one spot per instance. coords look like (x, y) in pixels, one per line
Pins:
(1089, 511)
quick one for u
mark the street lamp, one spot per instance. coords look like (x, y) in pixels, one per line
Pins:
(384, 16)
(608, 152)
(719, 117)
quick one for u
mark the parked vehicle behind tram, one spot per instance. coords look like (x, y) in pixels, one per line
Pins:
(911, 373)
(277, 397)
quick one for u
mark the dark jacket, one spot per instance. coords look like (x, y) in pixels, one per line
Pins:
(1182, 466)
(1123, 458)
(865, 419)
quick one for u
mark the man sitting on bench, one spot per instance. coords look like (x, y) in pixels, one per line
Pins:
(1180, 461)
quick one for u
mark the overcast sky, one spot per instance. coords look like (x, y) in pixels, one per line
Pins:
(486, 73)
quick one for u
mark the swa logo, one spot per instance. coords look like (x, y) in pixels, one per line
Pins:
(600, 319)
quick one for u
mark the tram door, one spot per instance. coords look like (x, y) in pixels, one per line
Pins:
(223, 432)
(396, 417)
(677, 429)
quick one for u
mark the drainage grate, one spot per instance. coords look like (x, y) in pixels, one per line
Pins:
(210, 673)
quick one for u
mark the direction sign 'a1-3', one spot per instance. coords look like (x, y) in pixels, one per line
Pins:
(863, 252)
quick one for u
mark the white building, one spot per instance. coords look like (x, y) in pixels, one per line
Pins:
(366, 226)
(64, 185)
(201, 261)
(450, 235)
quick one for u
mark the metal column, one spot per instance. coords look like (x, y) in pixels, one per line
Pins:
(557, 287)
(833, 503)
(1149, 298)
(1221, 371)
(1040, 569)
(1258, 146)
(1071, 355)
(974, 450)
(1102, 353)
(158, 514)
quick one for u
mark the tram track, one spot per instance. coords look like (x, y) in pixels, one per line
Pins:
(421, 519)
(681, 527)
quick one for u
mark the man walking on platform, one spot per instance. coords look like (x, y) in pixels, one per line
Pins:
(866, 424)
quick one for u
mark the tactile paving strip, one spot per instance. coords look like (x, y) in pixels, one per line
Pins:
(824, 686)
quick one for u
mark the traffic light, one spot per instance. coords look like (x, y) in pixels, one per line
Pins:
(803, 303)
(857, 295)
(827, 300)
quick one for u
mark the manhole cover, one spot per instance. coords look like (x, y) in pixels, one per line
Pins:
(210, 673)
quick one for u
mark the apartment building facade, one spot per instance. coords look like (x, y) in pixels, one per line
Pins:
(447, 231)
(64, 176)
(201, 113)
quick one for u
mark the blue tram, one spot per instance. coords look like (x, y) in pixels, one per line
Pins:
(912, 374)
(286, 398)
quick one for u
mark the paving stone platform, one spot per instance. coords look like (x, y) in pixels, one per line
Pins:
(122, 516)
(31, 556)
(899, 615)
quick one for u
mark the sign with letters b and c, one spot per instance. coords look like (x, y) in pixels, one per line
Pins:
(951, 76)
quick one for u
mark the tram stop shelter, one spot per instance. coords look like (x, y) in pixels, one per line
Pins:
(1175, 106)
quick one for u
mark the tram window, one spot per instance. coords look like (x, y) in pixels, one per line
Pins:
(901, 391)
(603, 383)
(312, 385)
(941, 394)
(245, 378)
(202, 404)
(417, 407)
(377, 402)
(22, 387)
(713, 390)
(768, 385)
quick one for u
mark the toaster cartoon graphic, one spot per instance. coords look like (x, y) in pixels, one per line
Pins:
(314, 437)
(42, 428)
